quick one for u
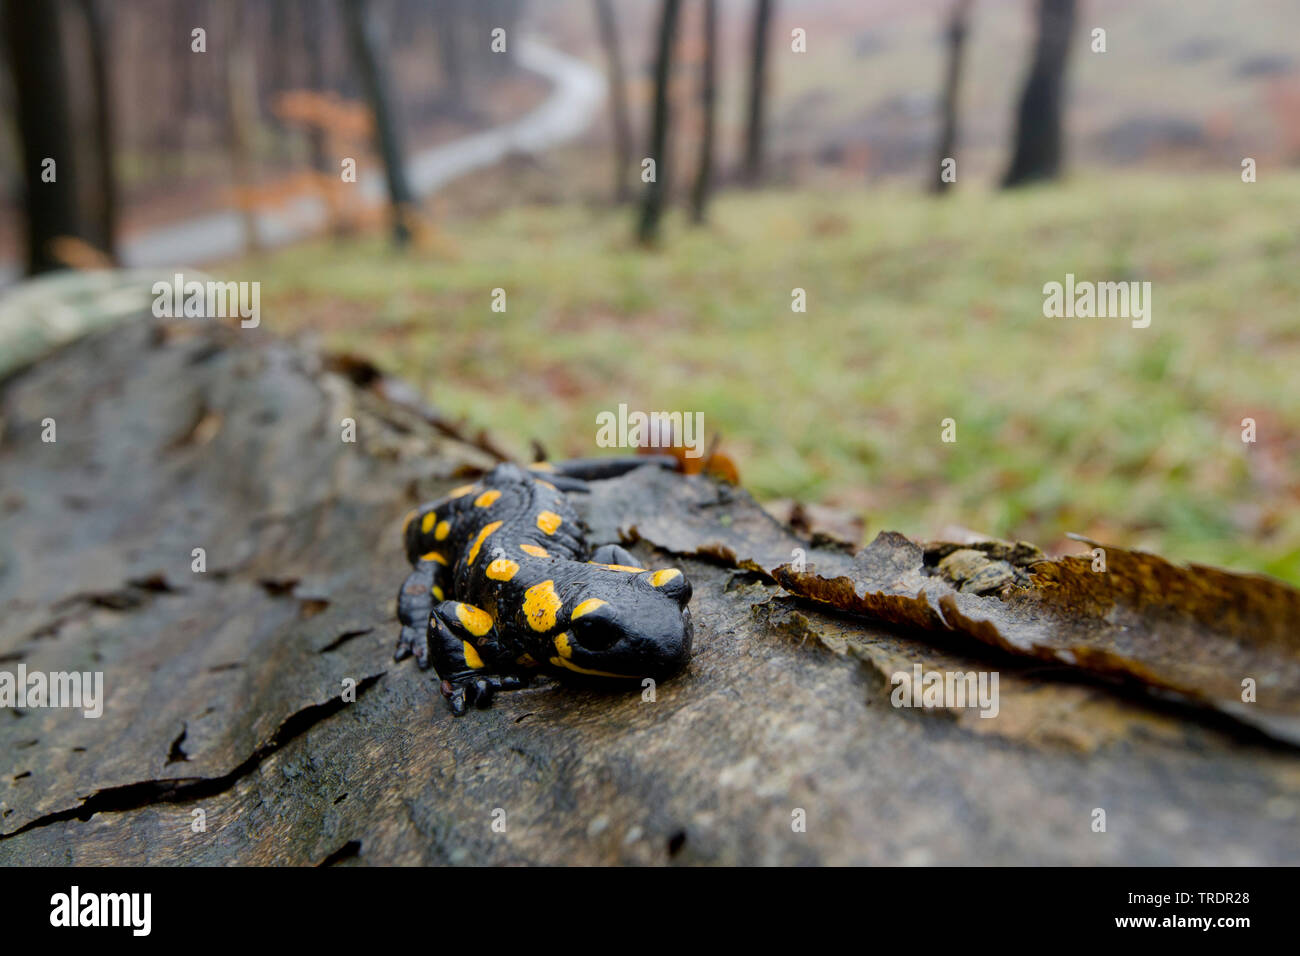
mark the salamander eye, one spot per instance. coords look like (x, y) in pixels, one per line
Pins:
(594, 633)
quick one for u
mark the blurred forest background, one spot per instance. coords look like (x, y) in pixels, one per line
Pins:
(777, 168)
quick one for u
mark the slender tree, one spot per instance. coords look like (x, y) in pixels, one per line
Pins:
(450, 31)
(276, 48)
(617, 100)
(363, 36)
(241, 110)
(105, 225)
(656, 191)
(708, 102)
(313, 28)
(753, 169)
(188, 88)
(1037, 153)
(35, 49)
(958, 25)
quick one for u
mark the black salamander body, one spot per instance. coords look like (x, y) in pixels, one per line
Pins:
(505, 584)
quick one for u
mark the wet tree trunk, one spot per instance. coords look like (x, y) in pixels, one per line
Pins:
(622, 123)
(708, 104)
(363, 36)
(958, 25)
(35, 54)
(1037, 150)
(660, 127)
(754, 130)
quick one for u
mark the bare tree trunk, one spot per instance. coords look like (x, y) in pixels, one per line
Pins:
(1037, 153)
(450, 29)
(241, 112)
(187, 86)
(617, 100)
(363, 34)
(105, 217)
(753, 170)
(708, 102)
(41, 95)
(958, 25)
(313, 16)
(656, 191)
(277, 50)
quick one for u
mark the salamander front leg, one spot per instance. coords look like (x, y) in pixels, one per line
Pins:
(615, 554)
(465, 653)
(414, 603)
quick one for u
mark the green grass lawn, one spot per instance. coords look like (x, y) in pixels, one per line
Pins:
(917, 311)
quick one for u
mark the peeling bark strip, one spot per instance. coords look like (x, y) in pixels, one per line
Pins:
(1224, 640)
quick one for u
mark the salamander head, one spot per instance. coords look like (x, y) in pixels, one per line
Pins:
(628, 625)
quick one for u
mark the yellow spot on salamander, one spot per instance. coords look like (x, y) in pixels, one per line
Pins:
(562, 645)
(471, 656)
(569, 665)
(586, 607)
(534, 550)
(437, 592)
(541, 466)
(486, 499)
(548, 521)
(541, 604)
(617, 567)
(460, 492)
(440, 533)
(660, 578)
(482, 536)
(433, 556)
(426, 523)
(477, 621)
(502, 569)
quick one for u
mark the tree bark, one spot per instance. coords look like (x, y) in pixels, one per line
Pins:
(35, 51)
(1037, 150)
(958, 25)
(708, 103)
(617, 100)
(363, 35)
(660, 146)
(754, 132)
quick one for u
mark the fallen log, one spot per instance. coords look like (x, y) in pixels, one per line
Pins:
(201, 533)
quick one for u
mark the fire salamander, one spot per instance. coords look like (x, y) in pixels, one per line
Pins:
(505, 586)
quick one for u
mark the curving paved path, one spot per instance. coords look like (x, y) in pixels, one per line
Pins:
(577, 94)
